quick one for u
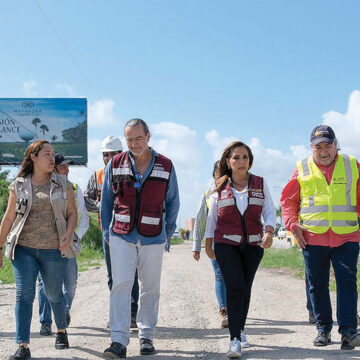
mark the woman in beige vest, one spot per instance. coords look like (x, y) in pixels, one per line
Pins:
(38, 227)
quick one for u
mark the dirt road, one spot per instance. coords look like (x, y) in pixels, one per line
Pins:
(188, 326)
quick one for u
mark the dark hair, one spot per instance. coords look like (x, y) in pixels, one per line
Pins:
(135, 122)
(27, 165)
(223, 173)
(216, 164)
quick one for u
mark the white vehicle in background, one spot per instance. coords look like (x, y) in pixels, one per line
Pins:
(282, 233)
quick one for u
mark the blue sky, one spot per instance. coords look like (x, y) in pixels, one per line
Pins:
(201, 73)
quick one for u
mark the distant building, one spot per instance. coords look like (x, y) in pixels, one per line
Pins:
(189, 224)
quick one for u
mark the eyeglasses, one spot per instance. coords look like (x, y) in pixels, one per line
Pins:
(135, 140)
(137, 184)
(113, 153)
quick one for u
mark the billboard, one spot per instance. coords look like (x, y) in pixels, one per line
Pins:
(63, 122)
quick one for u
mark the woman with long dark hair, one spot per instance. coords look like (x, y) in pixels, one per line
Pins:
(38, 227)
(237, 205)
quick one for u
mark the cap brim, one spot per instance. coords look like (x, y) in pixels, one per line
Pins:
(322, 139)
(65, 162)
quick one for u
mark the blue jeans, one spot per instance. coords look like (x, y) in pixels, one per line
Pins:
(70, 282)
(344, 261)
(135, 288)
(27, 264)
(220, 289)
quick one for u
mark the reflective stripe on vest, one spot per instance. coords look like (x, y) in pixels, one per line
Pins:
(323, 205)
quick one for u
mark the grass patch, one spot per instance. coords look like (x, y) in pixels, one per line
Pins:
(292, 260)
(176, 241)
(89, 258)
(6, 272)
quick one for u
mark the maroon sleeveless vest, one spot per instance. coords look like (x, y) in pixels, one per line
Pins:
(144, 207)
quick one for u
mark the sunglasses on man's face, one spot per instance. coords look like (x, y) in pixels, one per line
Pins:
(107, 154)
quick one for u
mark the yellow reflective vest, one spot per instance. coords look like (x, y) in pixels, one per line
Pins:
(323, 205)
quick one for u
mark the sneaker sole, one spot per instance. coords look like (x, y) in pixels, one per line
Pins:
(323, 344)
(355, 342)
(147, 352)
(233, 355)
(45, 334)
(110, 355)
(346, 347)
(61, 347)
(245, 345)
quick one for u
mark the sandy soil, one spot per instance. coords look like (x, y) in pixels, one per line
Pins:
(188, 326)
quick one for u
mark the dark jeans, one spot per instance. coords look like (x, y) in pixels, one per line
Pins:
(307, 290)
(135, 288)
(344, 261)
(238, 267)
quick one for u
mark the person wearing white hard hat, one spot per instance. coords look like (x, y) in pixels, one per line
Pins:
(110, 146)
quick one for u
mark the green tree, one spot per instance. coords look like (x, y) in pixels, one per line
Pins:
(4, 191)
(44, 129)
(35, 122)
(77, 134)
(53, 138)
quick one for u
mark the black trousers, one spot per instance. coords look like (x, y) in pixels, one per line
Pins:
(238, 267)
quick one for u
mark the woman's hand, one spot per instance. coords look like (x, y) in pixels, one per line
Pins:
(196, 255)
(208, 248)
(65, 242)
(267, 240)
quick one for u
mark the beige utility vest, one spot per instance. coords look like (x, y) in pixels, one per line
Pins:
(59, 202)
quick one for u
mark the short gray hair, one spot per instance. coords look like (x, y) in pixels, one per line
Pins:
(135, 122)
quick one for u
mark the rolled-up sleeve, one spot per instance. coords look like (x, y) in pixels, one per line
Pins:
(212, 217)
(172, 204)
(290, 203)
(90, 195)
(268, 211)
(107, 202)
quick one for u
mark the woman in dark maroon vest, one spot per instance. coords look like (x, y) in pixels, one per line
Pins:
(238, 206)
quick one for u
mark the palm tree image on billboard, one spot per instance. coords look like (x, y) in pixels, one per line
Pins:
(61, 121)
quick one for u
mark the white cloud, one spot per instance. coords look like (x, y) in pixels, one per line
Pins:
(180, 144)
(218, 143)
(67, 88)
(347, 126)
(101, 113)
(29, 88)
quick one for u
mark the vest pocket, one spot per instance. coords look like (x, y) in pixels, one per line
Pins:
(150, 223)
(122, 218)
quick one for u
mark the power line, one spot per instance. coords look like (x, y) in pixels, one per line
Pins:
(62, 42)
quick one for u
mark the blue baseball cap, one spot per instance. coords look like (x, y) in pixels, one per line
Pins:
(322, 133)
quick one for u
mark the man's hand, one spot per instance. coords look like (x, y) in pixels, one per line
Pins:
(267, 240)
(196, 255)
(298, 233)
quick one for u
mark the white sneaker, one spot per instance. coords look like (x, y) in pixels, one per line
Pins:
(234, 351)
(243, 339)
